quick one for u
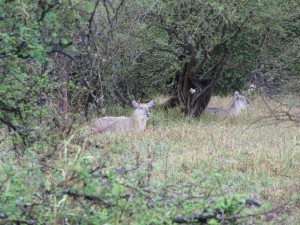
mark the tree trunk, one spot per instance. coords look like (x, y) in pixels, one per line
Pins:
(200, 97)
(193, 93)
(183, 86)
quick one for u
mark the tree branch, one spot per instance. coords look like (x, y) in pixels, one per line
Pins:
(89, 197)
(98, 102)
(92, 17)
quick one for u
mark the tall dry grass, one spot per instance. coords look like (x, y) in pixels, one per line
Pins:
(255, 157)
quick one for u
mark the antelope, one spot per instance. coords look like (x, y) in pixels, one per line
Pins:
(135, 123)
(238, 103)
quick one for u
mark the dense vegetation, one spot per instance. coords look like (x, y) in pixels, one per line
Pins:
(63, 62)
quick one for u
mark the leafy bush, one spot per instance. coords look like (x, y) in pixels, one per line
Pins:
(75, 188)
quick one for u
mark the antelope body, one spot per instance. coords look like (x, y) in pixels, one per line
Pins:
(238, 103)
(135, 123)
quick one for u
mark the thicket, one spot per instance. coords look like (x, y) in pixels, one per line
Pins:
(60, 61)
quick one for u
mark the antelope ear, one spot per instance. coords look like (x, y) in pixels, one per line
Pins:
(151, 104)
(135, 104)
(236, 93)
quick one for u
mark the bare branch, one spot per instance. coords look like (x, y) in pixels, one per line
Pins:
(96, 100)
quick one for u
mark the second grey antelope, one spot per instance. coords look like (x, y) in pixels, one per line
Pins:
(135, 123)
(238, 103)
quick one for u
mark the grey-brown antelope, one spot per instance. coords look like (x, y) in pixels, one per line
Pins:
(238, 103)
(135, 123)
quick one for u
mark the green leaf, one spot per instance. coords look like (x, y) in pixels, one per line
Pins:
(64, 41)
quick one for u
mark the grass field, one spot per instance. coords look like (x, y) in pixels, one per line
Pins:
(255, 157)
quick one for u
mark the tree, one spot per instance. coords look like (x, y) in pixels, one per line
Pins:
(210, 43)
(201, 35)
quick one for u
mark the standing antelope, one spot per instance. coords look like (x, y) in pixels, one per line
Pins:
(135, 123)
(239, 102)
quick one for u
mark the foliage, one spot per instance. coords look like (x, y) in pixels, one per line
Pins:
(79, 190)
(249, 30)
(24, 78)
(259, 54)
